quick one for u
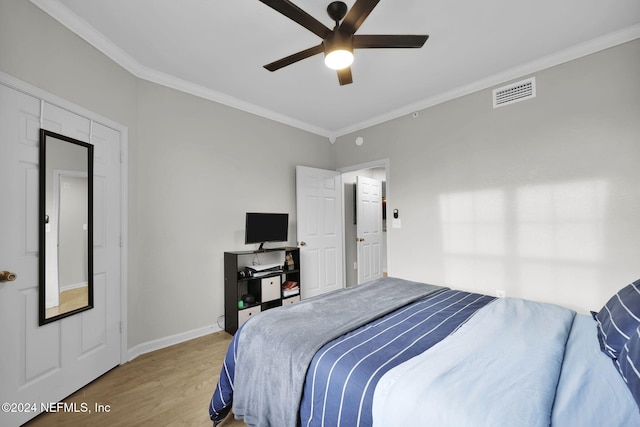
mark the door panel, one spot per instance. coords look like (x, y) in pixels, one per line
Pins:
(369, 228)
(65, 122)
(311, 261)
(332, 264)
(47, 363)
(319, 215)
(30, 356)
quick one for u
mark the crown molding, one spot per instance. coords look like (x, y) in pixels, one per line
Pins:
(88, 33)
(610, 40)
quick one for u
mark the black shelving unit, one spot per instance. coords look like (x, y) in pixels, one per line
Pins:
(267, 289)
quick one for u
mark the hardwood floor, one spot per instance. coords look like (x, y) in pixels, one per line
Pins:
(168, 387)
(70, 300)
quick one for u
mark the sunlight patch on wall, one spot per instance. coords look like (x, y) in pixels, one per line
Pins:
(473, 222)
(473, 233)
(562, 221)
(540, 241)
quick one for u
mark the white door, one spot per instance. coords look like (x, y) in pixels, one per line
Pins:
(319, 215)
(40, 364)
(369, 228)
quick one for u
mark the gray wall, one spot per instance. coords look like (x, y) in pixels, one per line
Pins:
(539, 198)
(200, 167)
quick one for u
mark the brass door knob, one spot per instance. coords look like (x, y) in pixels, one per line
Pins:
(303, 243)
(7, 276)
(359, 239)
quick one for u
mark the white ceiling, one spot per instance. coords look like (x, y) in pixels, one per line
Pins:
(216, 49)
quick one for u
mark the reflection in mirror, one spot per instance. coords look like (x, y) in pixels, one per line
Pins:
(66, 226)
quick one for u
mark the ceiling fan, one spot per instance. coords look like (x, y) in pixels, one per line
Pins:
(338, 44)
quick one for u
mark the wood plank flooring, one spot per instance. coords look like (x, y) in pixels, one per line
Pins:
(70, 300)
(168, 387)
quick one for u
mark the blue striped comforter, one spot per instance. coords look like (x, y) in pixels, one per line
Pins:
(342, 376)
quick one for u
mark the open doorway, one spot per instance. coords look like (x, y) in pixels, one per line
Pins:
(376, 171)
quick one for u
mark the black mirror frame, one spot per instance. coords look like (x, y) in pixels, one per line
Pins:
(42, 218)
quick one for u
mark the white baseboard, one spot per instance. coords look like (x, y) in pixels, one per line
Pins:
(161, 343)
(73, 286)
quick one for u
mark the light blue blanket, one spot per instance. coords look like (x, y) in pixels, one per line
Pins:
(589, 376)
(276, 347)
(501, 368)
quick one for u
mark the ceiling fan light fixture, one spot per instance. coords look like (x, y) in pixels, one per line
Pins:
(338, 44)
(338, 50)
(338, 59)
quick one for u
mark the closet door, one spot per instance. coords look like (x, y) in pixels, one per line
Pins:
(42, 364)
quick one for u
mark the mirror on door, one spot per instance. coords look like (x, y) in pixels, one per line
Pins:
(66, 226)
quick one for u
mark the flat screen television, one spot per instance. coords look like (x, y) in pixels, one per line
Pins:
(266, 227)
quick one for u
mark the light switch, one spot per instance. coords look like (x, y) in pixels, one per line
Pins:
(396, 223)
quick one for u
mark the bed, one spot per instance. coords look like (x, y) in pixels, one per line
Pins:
(397, 352)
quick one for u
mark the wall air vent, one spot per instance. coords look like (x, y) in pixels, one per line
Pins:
(515, 92)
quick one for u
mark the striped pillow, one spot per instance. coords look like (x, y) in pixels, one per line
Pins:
(629, 364)
(619, 319)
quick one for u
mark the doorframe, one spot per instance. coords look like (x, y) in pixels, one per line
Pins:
(52, 99)
(382, 163)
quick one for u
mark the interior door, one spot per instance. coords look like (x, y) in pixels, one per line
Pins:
(40, 364)
(369, 228)
(319, 230)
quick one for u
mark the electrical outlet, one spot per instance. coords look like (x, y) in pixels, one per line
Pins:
(500, 293)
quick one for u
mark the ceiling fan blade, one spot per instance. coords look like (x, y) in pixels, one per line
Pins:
(357, 14)
(388, 41)
(299, 56)
(344, 76)
(298, 15)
